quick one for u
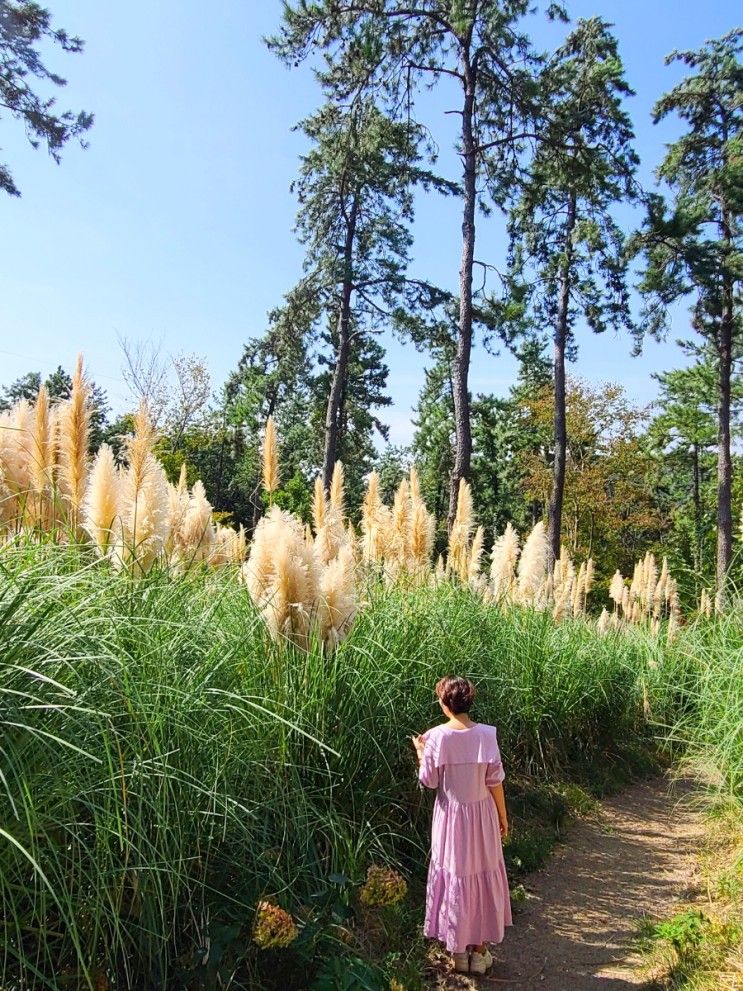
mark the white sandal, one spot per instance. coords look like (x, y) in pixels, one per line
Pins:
(461, 963)
(478, 963)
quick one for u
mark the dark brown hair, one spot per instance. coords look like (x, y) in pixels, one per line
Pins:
(457, 694)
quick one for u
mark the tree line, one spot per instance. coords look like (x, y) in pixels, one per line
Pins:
(547, 152)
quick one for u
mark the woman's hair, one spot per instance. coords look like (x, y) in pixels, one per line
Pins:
(457, 694)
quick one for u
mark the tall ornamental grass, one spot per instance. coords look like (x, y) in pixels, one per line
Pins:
(166, 765)
(703, 676)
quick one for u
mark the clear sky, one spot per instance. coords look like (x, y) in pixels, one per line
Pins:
(176, 223)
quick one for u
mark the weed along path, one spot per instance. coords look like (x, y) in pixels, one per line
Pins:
(576, 928)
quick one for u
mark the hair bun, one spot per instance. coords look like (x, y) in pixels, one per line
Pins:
(457, 694)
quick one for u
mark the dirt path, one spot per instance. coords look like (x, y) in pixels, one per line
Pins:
(575, 930)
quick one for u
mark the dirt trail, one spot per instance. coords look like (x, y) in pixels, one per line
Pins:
(574, 932)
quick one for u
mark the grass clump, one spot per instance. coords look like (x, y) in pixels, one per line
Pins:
(168, 766)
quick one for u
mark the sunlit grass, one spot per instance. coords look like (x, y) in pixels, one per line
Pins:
(165, 764)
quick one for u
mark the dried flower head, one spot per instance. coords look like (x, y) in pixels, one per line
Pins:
(375, 523)
(383, 887)
(617, 588)
(274, 928)
(101, 502)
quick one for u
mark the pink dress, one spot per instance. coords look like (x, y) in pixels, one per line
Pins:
(467, 900)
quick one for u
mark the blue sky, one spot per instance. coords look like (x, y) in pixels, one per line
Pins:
(176, 223)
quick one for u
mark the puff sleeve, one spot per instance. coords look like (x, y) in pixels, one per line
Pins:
(428, 772)
(494, 773)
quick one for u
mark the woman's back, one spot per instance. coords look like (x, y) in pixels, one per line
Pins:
(463, 764)
(467, 884)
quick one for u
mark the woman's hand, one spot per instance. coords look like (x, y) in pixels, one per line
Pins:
(419, 744)
(503, 823)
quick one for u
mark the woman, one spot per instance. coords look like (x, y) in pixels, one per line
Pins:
(467, 900)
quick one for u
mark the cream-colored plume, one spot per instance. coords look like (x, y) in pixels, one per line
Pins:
(102, 499)
(458, 558)
(270, 457)
(376, 521)
(74, 438)
(504, 559)
(282, 577)
(338, 604)
(532, 571)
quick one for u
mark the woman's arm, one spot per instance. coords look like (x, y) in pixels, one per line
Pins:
(428, 773)
(500, 803)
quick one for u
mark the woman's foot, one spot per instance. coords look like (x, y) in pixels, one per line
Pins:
(461, 963)
(488, 957)
(479, 963)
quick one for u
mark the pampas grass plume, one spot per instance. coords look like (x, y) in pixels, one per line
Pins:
(460, 534)
(270, 457)
(617, 588)
(319, 505)
(504, 558)
(338, 605)
(337, 490)
(101, 502)
(532, 572)
(74, 437)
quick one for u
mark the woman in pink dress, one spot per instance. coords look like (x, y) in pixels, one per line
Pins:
(467, 900)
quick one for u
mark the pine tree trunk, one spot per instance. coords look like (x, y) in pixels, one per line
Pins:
(334, 412)
(724, 460)
(554, 512)
(697, 490)
(460, 371)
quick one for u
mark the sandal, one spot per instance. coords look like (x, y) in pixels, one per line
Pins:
(478, 963)
(461, 963)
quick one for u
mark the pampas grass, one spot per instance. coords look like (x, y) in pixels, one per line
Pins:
(375, 523)
(197, 532)
(422, 533)
(143, 504)
(532, 570)
(74, 438)
(101, 503)
(319, 505)
(282, 577)
(504, 558)
(337, 493)
(398, 550)
(338, 603)
(135, 518)
(270, 458)
(16, 446)
(458, 558)
(42, 464)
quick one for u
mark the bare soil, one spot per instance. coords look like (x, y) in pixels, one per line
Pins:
(575, 931)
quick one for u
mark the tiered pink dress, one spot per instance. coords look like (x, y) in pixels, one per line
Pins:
(467, 900)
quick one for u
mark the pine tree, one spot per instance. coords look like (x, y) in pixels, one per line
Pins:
(566, 245)
(364, 393)
(695, 245)
(59, 386)
(390, 50)
(355, 208)
(24, 26)
(273, 379)
(683, 435)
